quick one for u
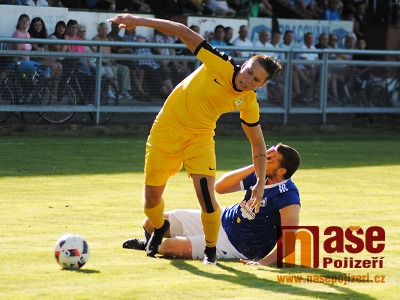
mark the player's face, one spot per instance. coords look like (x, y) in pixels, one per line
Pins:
(250, 76)
(273, 165)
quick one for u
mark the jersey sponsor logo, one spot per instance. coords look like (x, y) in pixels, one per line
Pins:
(216, 81)
(238, 101)
(283, 188)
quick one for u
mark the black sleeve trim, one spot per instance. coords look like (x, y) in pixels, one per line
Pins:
(203, 44)
(250, 124)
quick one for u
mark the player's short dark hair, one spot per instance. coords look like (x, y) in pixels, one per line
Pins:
(290, 159)
(270, 65)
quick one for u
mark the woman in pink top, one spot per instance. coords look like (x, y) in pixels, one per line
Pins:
(26, 66)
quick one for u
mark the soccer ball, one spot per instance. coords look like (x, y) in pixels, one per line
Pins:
(71, 251)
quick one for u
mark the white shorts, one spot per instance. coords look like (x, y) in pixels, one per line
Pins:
(187, 223)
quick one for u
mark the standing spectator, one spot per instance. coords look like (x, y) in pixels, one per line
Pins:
(243, 41)
(332, 12)
(41, 3)
(360, 22)
(37, 30)
(27, 65)
(123, 68)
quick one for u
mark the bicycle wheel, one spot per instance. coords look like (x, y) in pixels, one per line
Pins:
(6, 98)
(35, 99)
(67, 97)
(108, 97)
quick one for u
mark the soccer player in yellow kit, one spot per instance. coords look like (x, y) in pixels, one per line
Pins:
(182, 134)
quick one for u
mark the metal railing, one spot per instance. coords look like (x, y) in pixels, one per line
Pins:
(283, 103)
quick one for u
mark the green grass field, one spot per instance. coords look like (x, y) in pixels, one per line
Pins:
(92, 186)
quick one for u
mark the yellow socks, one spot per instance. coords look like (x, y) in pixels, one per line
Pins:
(211, 224)
(156, 214)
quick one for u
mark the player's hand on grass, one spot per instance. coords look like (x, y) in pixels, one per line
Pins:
(126, 21)
(249, 262)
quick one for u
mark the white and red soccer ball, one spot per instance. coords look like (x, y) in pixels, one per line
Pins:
(71, 251)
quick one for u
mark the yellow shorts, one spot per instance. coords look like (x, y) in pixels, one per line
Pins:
(167, 151)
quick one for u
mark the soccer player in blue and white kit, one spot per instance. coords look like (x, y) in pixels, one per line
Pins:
(244, 234)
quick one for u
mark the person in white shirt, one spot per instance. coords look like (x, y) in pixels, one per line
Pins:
(243, 41)
(263, 42)
(41, 3)
(304, 75)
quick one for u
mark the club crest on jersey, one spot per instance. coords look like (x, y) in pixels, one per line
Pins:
(238, 101)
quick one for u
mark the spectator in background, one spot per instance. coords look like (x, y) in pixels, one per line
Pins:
(59, 34)
(243, 41)
(332, 12)
(323, 40)
(101, 4)
(275, 40)
(41, 3)
(155, 80)
(169, 68)
(304, 75)
(37, 30)
(123, 67)
(133, 5)
(220, 8)
(228, 36)
(360, 22)
(287, 43)
(218, 40)
(262, 42)
(27, 65)
(196, 7)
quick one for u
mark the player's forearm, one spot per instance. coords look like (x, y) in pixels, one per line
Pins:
(260, 160)
(230, 182)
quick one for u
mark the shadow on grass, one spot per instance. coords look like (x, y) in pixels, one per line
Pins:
(84, 271)
(250, 280)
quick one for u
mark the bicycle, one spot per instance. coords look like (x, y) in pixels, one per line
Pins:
(70, 92)
(382, 91)
(16, 88)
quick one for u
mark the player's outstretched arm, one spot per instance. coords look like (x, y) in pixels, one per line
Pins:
(255, 136)
(190, 38)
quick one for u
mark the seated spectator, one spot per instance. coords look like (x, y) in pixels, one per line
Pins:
(137, 74)
(262, 42)
(37, 30)
(218, 39)
(101, 4)
(275, 40)
(220, 8)
(323, 40)
(59, 34)
(85, 74)
(360, 22)
(168, 67)
(304, 75)
(133, 5)
(243, 41)
(332, 12)
(123, 67)
(228, 36)
(108, 64)
(154, 81)
(308, 9)
(41, 3)
(27, 66)
(196, 7)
